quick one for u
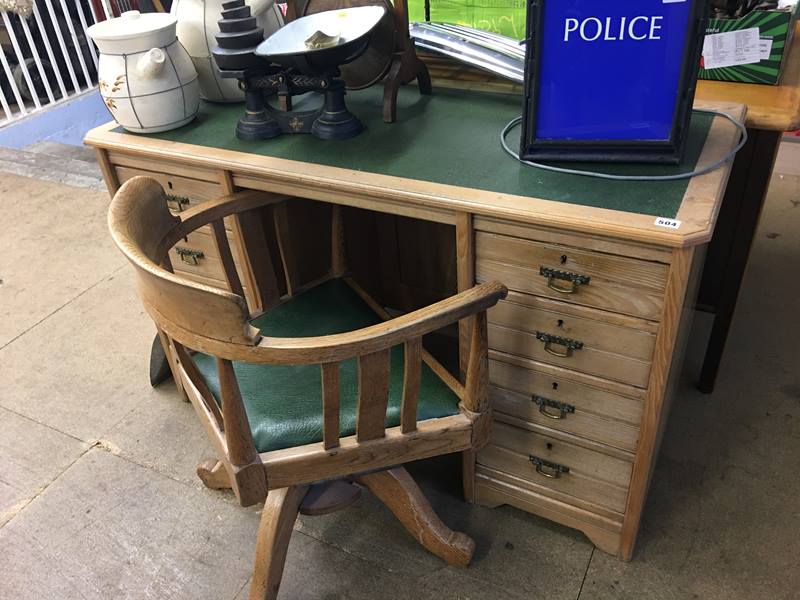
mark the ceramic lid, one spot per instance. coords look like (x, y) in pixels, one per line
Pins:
(129, 25)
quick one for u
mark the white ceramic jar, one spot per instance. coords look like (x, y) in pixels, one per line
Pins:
(146, 78)
(197, 26)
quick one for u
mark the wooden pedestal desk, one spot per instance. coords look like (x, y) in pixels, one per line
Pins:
(584, 348)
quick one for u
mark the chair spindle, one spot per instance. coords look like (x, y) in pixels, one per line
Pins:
(411, 378)
(477, 388)
(199, 382)
(241, 448)
(226, 257)
(258, 254)
(330, 405)
(338, 260)
(288, 257)
(373, 394)
(249, 481)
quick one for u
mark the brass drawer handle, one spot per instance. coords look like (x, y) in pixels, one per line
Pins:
(177, 203)
(574, 280)
(189, 256)
(562, 408)
(548, 469)
(550, 340)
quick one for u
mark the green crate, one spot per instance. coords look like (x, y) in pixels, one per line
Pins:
(506, 17)
(776, 25)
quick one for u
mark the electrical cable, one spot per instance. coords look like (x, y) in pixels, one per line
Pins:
(702, 171)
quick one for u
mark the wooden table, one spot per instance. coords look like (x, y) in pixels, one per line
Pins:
(771, 110)
(582, 352)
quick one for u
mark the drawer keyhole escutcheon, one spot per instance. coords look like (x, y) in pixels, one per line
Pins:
(548, 469)
(546, 407)
(189, 256)
(177, 203)
(551, 340)
(574, 280)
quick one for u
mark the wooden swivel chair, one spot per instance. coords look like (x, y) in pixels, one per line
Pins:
(318, 388)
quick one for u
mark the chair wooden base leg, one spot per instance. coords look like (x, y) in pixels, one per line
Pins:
(277, 521)
(398, 490)
(213, 474)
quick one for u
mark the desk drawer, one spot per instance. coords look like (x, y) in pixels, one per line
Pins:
(565, 405)
(197, 254)
(581, 355)
(606, 344)
(182, 191)
(558, 465)
(623, 285)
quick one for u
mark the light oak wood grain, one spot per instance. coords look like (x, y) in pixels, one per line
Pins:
(412, 365)
(274, 532)
(588, 359)
(607, 332)
(383, 193)
(195, 191)
(330, 405)
(677, 286)
(609, 413)
(229, 266)
(107, 169)
(397, 490)
(494, 488)
(598, 294)
(465, 261)
(373, 394)
(615, 270)
(194, 316)
(213, 474)
(580, 422)
(570, 239)
(164, 164)
(575, 483)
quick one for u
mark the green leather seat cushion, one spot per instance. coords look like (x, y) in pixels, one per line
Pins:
(284, 402)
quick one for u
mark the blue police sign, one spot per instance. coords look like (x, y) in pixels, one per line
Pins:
(611, 80)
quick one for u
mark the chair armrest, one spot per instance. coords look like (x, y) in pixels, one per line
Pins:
(338, 347)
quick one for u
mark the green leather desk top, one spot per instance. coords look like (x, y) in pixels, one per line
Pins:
(451, 138)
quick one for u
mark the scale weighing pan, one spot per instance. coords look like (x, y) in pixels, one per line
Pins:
(317, 44)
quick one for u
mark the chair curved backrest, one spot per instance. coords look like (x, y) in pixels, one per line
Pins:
(192, 316)
(145, 230)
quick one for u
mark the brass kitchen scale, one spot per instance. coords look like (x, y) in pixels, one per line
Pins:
(291, 80)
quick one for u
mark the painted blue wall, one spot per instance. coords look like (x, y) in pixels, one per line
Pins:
(65, 123)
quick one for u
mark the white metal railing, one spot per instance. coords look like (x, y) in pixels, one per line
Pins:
(46, 57)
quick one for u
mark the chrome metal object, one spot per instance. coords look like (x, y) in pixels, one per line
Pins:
(488, 51)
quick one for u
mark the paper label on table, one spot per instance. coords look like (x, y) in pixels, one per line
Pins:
(668, 223)
(765, 48)
(732, 48)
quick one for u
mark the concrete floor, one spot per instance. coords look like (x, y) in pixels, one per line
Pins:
(98, 497)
